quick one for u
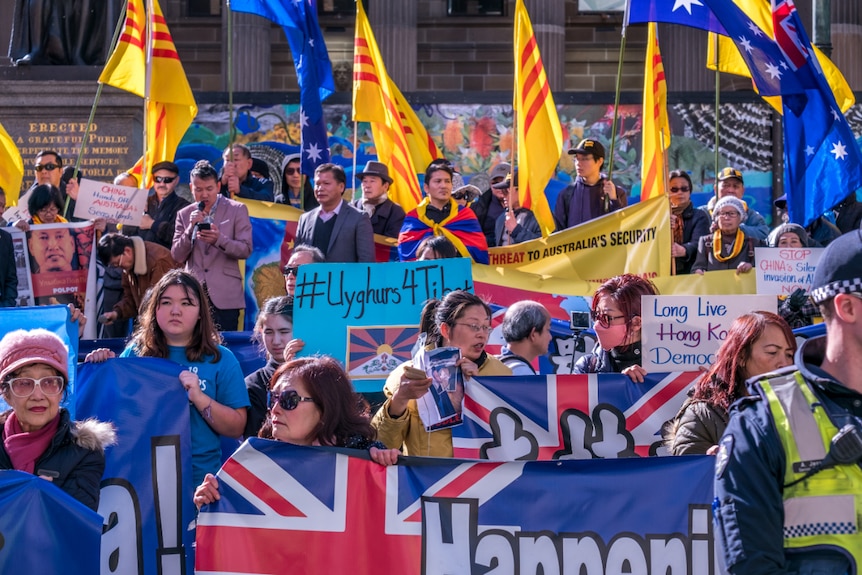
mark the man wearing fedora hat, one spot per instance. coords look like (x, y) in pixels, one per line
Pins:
(787, 473)
(386, 216)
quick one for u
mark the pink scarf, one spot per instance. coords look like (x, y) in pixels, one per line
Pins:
(24, 448)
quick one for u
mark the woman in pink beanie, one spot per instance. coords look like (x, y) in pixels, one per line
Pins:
(37, 434)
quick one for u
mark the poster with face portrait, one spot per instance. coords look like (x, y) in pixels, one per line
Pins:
(60, 257)
(440, 407)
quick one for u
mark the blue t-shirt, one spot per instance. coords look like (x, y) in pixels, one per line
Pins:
(224, 382)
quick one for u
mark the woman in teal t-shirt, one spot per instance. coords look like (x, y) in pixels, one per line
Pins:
(175, 324)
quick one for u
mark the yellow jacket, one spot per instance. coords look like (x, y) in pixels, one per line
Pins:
(407, 432)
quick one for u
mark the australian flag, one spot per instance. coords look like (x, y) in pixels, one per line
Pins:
(691, 13)
(568, 416)
(313, 69)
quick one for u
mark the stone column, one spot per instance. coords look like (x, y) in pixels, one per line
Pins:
(394, 25)
(251, 52)
(549, 26)
(847, 41)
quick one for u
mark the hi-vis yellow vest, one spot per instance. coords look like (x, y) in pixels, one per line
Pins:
(825, 509)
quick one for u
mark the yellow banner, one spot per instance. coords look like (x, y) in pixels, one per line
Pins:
(636, 239)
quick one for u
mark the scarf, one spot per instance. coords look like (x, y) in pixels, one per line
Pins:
(23, 447)
(58, 219)
(678, 228)
(460, 227)
(738, 242)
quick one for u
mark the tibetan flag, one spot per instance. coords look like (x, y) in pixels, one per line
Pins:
(375, 100)
(656, 128)
(540, 138)
(11, 168)
(460, 227)
(722, 53)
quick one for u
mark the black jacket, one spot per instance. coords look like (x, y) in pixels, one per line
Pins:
(164, 216)
(695, 224)
(75, 458)
(258, 384)
(481, 207)
(601, 361)
(387, 219)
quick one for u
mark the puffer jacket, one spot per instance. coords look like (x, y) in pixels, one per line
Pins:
(698, 426)
(75, 458)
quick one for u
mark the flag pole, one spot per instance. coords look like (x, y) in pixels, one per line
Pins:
(96, 103)
(355, 153)
(617, 93)
(717, 115)
(151, 21)
(230, 78)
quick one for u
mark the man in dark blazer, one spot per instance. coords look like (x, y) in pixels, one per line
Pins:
(386, 216)
(210, 238)
(336, 228)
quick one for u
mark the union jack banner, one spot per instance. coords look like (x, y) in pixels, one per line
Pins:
(292, 509)
(567, 416)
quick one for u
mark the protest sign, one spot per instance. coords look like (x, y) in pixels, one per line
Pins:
(117, 204)
(603, 415)
(635, 239)
(367, 315)
(45, 530)
(318, 510)
(60, 262)
(684, 332)
(22, 267)
(781, 271)
(147, 488)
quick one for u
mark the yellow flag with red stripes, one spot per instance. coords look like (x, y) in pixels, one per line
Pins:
(402, 142)
(540, 138)
(170, 104)
(656, 129)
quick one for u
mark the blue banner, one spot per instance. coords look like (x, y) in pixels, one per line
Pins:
(147, 489)
(284, 505)
(367, 315)
(45, 530)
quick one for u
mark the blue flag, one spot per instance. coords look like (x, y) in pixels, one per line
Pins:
(313, 69)
(822, 161)
(691, 13)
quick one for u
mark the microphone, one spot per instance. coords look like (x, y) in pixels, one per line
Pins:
(201, 206)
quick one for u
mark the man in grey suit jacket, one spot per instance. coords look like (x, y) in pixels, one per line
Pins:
(210, 238)
(336, 228)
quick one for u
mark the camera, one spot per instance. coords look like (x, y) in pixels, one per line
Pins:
(579, 320)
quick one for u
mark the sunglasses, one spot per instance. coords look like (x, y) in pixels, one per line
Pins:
(684, 189)
(288, 399)
(292, 171)
(291, 270)
(25, 386)
(165, 179)
(604, 319)
(459, 195)
(49, 167)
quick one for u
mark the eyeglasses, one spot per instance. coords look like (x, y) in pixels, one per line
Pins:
(49, 167)
(604, 319)
(732, 215)
(292, 171)
(25, 386)
(291, 270)
(165, 179)
(49, 209)
(477, 328)
(288, 399)
(684, 189)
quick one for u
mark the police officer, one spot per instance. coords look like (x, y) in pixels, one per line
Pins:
(788, 479)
